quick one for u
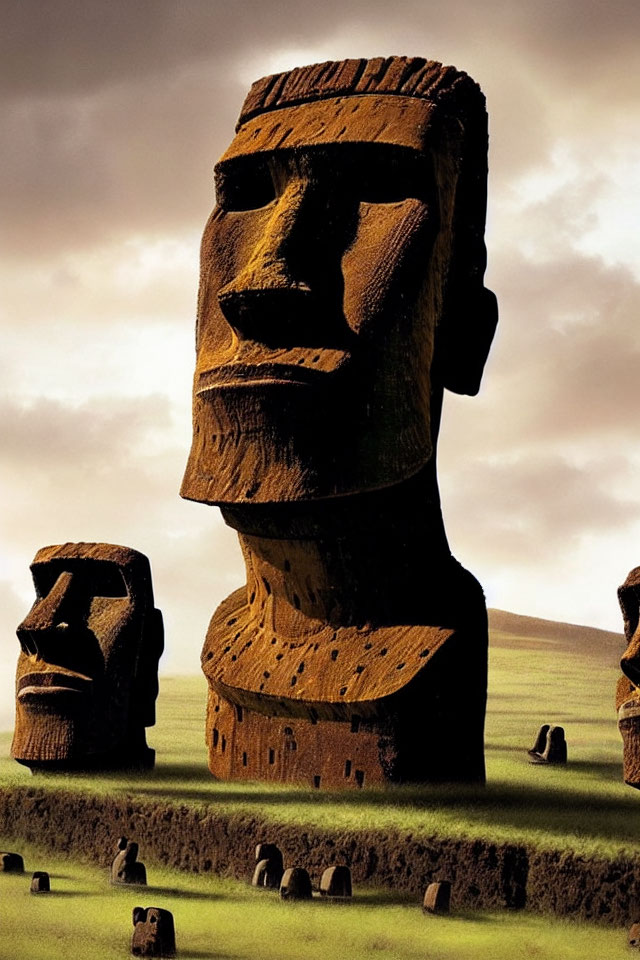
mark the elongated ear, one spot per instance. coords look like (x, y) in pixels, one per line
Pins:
(466, 341)
(628, 598)
(463, 341)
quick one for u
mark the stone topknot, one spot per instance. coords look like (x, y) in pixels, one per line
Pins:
(394, 76)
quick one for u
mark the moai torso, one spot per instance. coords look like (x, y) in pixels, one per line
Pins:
(340, 293)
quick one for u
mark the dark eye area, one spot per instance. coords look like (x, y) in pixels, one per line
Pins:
(392, 178)
(95, 578)
(244, 186)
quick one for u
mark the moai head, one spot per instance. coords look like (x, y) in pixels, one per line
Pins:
(87, 676)
(341, 283)
(628, 690)
(153, 933)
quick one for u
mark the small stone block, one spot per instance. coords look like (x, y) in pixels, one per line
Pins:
(126, 868)
(11, 863)
(153, 933)
(437, 897)
(40, 882)
(336, 882)
(295, 884)
(541, 740)
(268, 873)
(554, 748)
(634, 935)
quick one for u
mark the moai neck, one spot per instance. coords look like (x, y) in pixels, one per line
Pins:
(366, 559)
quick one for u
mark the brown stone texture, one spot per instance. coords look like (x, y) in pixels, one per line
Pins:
(628, 687)
(126, 868)
(483, 875)
(153, 933)
(87, 674)
(634, 935)
(437, 897)
(295, 884)
(40, 882)
(336, 881)
(341, 291)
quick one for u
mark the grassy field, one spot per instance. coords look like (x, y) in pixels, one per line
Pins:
(84, 916)
(539, 672)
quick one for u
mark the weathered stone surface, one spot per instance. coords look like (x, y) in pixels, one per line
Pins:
(126, 868)
(268, 873)
(87, 675)
(295, 884)
(336, 882)
(40, 882)
(437, 897)
(11, 863)
(634, 935)
(628, 688)
(554, 746)
(341, 292)
(153, 933)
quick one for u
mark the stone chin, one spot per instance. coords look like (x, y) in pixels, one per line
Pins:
(292, 443)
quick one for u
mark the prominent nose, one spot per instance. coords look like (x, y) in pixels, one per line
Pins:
(46, 615)
(275, 299)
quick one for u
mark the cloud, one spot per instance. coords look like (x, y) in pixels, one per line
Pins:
(116, 113)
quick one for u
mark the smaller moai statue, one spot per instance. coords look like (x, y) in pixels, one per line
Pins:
(437, 897)
(126, 868)
(634, 935)
(550, 745)
(40, 882)
(628, 687)
(153, 933)
(11, 863)
(336, 882)
(269, 866)
(295, 884)
(87, 672)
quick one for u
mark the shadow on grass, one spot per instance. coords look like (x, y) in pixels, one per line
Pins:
(68, 894)
(182, 894)
(551, 804)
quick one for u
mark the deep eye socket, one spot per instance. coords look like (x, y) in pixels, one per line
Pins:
(94, 578)
(244, 185)
(392, 178)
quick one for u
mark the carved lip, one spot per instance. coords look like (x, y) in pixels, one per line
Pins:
(237, 375)
(50, 684)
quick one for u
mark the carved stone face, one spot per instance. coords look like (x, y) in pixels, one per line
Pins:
(628, 688)
(86, 679)
(321, 280)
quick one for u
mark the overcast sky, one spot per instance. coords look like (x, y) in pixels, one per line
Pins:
(116, 110)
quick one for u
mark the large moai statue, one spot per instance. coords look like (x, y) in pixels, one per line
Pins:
(341, 291)
(87, 676)
(628, 688)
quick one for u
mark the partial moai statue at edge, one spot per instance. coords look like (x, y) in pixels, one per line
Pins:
(628, 687)
(87, 676)
(341, 291)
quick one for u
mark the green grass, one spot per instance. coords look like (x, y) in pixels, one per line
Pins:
(584, 807)
(84, 916)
